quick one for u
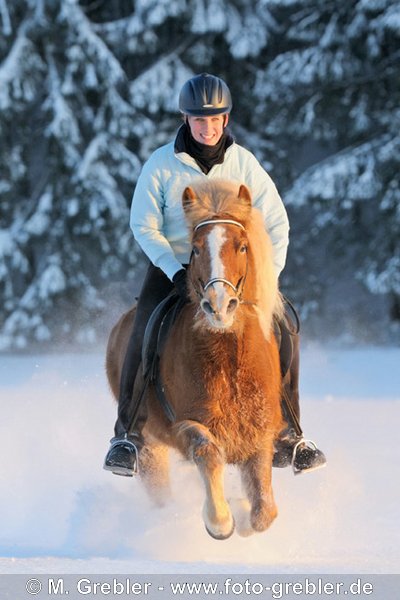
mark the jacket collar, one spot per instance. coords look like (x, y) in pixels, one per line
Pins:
(204, 156)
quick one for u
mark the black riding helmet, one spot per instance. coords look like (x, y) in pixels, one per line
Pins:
(205, 95)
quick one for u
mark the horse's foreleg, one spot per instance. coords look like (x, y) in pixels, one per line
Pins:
(198, 444)
(256, 477)
(154, 472)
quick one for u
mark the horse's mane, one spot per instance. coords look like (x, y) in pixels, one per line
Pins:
(269, 302)
(219, 198)
(215, 198)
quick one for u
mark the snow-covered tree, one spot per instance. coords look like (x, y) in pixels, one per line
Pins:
(68, 164)
(333, 89)
(88, 89)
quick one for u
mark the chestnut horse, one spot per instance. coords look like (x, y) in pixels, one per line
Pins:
(220, 365)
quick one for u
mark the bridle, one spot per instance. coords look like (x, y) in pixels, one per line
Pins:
(236, 288)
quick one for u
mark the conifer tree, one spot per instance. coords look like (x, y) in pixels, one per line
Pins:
(334, 91)
(68, 165)
(89, 89)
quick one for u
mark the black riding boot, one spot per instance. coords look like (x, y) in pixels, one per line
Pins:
(123, 455)
(291, 447)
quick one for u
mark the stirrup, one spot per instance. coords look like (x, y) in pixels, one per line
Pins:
(318, 464)
(120, 470)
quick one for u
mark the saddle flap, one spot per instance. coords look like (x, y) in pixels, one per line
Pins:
(156, 330)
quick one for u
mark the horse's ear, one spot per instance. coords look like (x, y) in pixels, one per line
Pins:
(244, 195)
(188, 198)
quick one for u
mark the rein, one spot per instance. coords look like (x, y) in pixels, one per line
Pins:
(210, 282)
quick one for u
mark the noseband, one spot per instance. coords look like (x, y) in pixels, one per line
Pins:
(210, 282)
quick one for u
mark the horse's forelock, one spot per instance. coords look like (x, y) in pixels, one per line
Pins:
(216, 198)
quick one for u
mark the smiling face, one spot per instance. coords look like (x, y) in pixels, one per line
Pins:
(207, 130)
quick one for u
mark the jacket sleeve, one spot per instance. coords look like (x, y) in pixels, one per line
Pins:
(147, 220)
(267, 199)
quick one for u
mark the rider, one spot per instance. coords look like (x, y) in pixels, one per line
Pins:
(203, 147)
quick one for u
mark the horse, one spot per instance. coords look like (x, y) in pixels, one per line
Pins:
(220, 364)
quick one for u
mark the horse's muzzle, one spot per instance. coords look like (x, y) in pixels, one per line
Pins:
(219, 309)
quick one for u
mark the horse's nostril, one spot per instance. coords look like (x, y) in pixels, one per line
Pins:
(232, 305)
(206, 306)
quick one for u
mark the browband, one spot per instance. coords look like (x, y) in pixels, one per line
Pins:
(216, 221)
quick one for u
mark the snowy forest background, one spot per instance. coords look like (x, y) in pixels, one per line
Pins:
(88, 88)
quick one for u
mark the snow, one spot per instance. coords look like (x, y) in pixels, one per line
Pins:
(9, 249)
(348, 175)
(5, 18)
(390, 19)
(9, 67)
(212, 16)
(63, 124)
(245, 36)
(62, 513)
(159, 86)
(40, 221)
(6, 242)
(88, 44)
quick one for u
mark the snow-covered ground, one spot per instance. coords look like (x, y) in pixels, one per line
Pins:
(61, 513)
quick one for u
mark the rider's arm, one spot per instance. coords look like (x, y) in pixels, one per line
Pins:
(267, 199)
(147, 219)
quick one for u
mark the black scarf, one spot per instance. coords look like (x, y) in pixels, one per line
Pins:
(205, 156)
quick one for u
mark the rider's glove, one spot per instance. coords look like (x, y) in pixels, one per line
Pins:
(179, 280)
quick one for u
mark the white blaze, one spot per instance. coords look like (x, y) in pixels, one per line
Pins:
(216, 239)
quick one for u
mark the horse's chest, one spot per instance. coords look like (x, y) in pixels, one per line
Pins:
(238, 395)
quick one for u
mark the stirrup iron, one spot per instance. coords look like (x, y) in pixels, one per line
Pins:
(311, 445)
(124, 471)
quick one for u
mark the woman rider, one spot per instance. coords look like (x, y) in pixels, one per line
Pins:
(203, 147)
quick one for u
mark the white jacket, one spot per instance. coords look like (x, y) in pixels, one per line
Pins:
(157, 218)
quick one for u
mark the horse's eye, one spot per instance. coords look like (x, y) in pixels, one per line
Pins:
(196, 251)
(243, 249)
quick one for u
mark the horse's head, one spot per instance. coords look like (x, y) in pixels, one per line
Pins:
(219, 261)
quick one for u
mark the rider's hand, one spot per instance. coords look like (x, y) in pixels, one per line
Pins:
(179, 280)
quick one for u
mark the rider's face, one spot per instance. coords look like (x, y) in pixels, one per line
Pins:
(208, 130)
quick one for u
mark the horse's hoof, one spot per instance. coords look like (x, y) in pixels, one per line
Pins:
(221, 536)
(261, 520)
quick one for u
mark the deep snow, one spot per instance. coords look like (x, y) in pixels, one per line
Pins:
(61, 513)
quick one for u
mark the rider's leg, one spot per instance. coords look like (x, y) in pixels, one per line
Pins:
(122, 457)
(291, 447)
